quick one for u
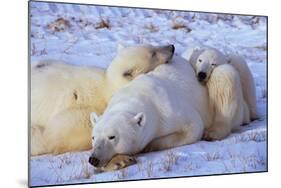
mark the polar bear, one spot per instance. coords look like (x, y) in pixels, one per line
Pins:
(165, 108)
(63, 95)
(204, 59)
(226, 100)
(247, 82)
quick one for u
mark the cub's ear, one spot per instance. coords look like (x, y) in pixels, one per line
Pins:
(140, 119)
(94, 118)
(120, 47)
(197, 48)
(190, 52)
(228, 59)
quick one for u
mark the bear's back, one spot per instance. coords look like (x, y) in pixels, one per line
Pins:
(173, 88)
(57, 86)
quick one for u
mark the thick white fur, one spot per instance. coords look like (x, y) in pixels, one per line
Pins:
(165, 108)
(63, 95)
(226, 99)
(247, 82)
(193, 54)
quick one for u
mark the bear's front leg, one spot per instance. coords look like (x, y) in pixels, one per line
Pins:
(118, 162)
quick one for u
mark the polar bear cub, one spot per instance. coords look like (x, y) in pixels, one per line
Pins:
(63, 96)
(226, 99)
(204, 59)
(225, 92)
(165, 108)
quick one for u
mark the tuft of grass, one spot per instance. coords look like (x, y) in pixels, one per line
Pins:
(85, 171)
(181, 26)
(123, 173)
(252, 136)
(59, 25)
(152, 28)
(262, 47)
(149, 169)
(33, 49)
(191, 165)
(171, 159)
(103, 24)
(212, 156)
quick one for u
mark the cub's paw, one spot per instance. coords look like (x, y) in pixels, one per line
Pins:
(119, 162)
(147, 149)
(209, 136)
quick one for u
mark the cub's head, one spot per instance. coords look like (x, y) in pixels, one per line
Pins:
(206, 62)
(135, 60)
(118, 134)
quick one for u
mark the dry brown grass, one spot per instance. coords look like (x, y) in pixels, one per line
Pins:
(251, 136)
(171, 159)
(59, 24)
(149, 169)
(152, 28)
(123, 173)
(262, 47)
(104, 23)
(190, 166)
(85, 171)
(33, 49)
(212, 156)
(181, 26)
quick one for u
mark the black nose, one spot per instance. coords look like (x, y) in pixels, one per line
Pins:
(172, 48)
(201, 76)
(94, 161)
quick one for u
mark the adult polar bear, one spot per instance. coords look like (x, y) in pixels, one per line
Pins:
(62, 96)
(165, 108)
(204, 59)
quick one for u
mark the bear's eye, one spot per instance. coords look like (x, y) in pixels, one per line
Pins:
(153, 54)
(200, 60)
(213, 64)
(111, 137)
(128, 74)
(93, 138)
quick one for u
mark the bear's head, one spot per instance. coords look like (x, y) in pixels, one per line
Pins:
(135, 60)
(206, 62)
(119, 133)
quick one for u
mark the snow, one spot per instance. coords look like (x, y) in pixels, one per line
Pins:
(85, 42)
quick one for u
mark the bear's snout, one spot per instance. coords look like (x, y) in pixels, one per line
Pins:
(94, 161)
(171, 49)
(201, 76)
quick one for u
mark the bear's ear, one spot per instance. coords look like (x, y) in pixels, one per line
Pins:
(94, 118)
(196, 48)
(228, 59)
(120, 47)
(140, 119)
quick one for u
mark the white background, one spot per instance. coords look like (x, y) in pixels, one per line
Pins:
(13, 94)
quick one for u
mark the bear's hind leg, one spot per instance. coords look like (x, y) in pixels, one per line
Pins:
(70, 130)
(38, 145)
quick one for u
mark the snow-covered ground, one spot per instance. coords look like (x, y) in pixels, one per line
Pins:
(88, 35)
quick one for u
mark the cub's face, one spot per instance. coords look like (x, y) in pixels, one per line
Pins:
(206, 62)
(135, 60)
(118, 134)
